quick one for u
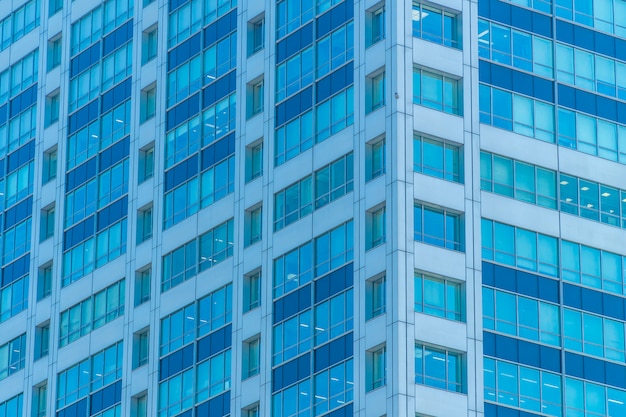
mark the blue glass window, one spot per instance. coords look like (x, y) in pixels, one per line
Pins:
(520, 386)
(439, 297)
(293, 138)
(437, 91)
(512, 178)
(333, 387)
(437, 158)
(335, 49)
(439, 368)
(438, 227)
(291, 14)
(515, 48)
(520, 114)
(292, 337)
(436, 25)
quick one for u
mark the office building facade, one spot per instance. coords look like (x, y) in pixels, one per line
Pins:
(312, 208)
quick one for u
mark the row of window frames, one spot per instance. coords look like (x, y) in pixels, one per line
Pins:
(149, 47)
(588, 196)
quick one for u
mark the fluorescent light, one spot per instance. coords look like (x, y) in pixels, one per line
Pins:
(584, 188)
(606, 194)
(564, 182)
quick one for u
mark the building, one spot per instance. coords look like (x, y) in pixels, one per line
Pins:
(297, 208)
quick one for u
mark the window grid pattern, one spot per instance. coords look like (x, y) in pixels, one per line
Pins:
(439, 368)
(437, 158)
(208, 314)
(12, 356)
(439, 227)
(436, 25)
(13, 298)
(19, 23)
(520, 386)
(439, 297)
(594, 335)
(591, 71)
(516, 48)
(89, 375)
(533, 251)
(518, 180)
(209, 249)
(437, 91)
(92, 313)
(593, 399)
(516, 113)
(312, 259)
(522, 317)
(314, 191)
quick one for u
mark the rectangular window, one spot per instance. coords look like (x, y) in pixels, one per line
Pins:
(334, 115)
(524, 115)
(293, 269)
(215, 246)
(142, 286)
(212, 311)
(437, 91)
(40, 400)
(146, 163)
(335, 49)
(52, 108)
(253, 225)
(251, 357)
(438, 227)
(293, 138)
(375, 158)
(148, 103)
(376, 368)
(528, 318)
(42, 340)
(251, 411)
(439, 297)
(517, 48)
(524, 182)
(89, 375)
(376, 297)
(184, 21)
(330, 183)
(291, 14)
(12, 357)
(255, 98)
(92, 313)
(292, 337)
(111, 243)
(149, 44)
(251, 291)
(437, 158)
(14, 298)
(141, 341)
(54, 52)
(254, 160)
(44, 282)
(49, 170)
(376, 227)
(375, 25)
(436, 25)
(256, 35)
(439, 368)
(54, 6)
(333, 387)
(47, 223)
(217, 182)
(139, 403)
(530, 250)
(333, 317)
(375, 91)
(144, 224)
(334, 248)
(535, 390)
